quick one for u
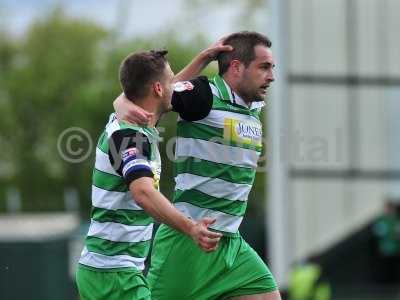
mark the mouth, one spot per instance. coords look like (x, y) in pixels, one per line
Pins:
(264, 88)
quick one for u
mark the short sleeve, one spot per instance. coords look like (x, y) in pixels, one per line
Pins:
(130, 153)
(193, 99)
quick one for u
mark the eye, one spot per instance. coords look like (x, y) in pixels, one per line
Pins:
(265, 66)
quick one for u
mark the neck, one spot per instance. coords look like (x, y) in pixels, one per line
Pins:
(150, 105)
(233, 84)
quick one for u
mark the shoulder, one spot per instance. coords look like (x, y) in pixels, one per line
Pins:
(128, 137)
(193, 99)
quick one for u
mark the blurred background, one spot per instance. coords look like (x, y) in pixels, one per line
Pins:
(324, 210)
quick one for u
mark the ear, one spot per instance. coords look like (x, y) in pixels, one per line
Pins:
(236, 67)
(158, 89)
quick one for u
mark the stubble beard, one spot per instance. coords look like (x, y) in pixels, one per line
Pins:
(251, 96)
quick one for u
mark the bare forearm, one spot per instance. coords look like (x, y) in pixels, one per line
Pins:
(202, 60)
(194, 68)
(156, 205)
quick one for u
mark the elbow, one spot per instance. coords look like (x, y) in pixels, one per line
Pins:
(140, 194)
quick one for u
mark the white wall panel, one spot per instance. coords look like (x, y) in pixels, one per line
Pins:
(392, 31)
(326, 211)
(328, 50)
(368, 43)
(319, 127)
(373, 130)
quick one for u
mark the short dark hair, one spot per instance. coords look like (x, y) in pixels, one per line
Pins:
(140, 69)
(243, 44)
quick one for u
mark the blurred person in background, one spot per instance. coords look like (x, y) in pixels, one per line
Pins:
(219, 140)
(386, 231)
(306, 282)
(125, 195)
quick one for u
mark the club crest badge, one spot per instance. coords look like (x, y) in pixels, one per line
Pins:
(129, 153)
(181, 86)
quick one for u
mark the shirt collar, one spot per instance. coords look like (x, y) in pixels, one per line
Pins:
(254, 104)
(226, 93)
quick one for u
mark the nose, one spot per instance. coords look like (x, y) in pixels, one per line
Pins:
(270, 76)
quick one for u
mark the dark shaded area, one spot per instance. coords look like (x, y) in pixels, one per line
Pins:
(356, 268)
(37, 270)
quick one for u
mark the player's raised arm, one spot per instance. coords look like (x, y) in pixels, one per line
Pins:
(198, 63)
(126, 110)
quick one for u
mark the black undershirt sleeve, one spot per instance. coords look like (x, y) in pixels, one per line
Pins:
(129, 154)
(195, 102)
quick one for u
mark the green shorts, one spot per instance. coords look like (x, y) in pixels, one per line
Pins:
(94, 284)
(181, 270)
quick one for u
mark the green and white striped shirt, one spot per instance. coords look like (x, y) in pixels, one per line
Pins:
(120, 231)
(216, 159)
